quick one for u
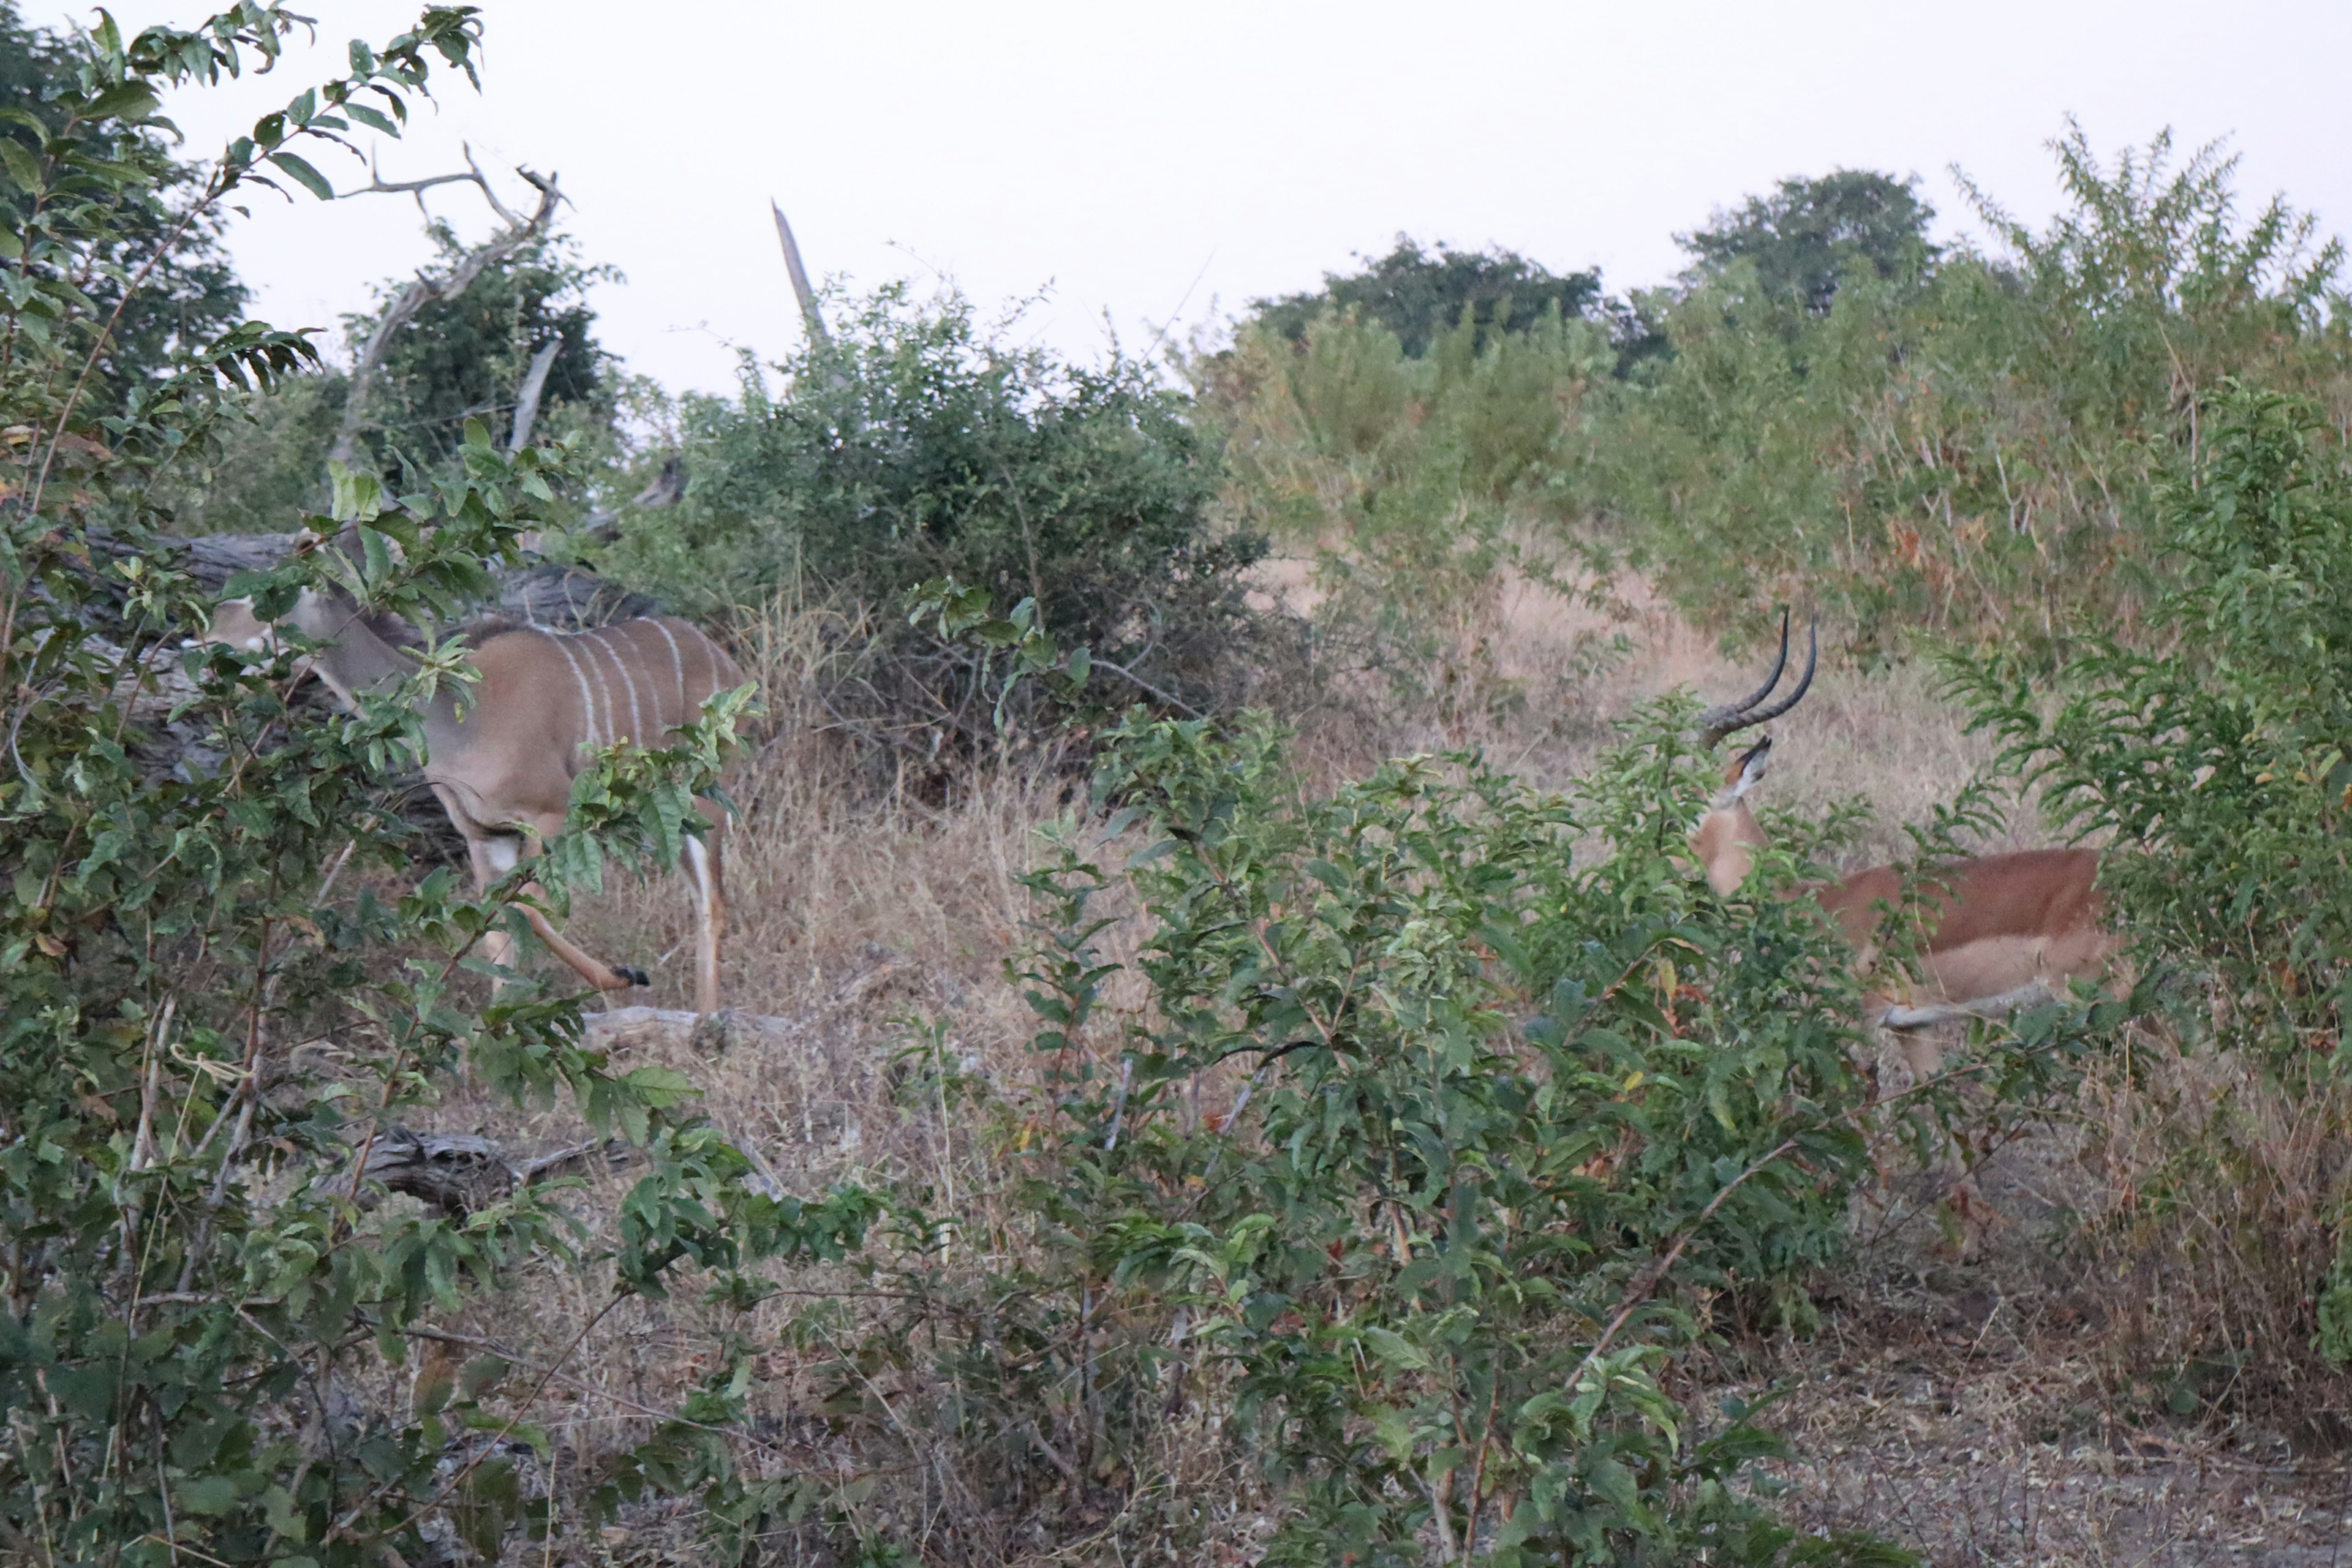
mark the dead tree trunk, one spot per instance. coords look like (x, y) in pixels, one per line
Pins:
(534, 383)
(801, 290)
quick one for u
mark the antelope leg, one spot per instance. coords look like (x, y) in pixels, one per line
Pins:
(492, 858)
(595, 971)
(703, 863)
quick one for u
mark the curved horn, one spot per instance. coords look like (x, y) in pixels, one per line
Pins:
(1725, 718)
(1804, 684)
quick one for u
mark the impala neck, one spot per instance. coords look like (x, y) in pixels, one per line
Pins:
(355, 658)
(1729, 836)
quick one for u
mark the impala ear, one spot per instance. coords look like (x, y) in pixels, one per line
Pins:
(1748, 770)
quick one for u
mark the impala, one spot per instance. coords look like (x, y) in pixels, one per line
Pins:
(500, 756)
(1998, 932)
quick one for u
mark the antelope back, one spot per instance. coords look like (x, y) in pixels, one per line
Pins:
(634, 681)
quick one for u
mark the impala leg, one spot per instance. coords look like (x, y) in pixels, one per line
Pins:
(704, 863)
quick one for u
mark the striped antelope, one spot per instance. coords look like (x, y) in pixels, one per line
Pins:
(1999, 931)
(502, 755)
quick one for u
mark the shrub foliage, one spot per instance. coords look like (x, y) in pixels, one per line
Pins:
(201, 1042)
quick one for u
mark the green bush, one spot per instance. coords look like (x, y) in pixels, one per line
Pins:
(1412, 484)
(1403, 1178)
(915, 445)
(2214, 755)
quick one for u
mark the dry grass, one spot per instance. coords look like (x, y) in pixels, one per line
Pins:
(1979, 1404)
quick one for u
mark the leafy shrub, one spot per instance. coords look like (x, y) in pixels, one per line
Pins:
(1412, 484)
(154, 226)
(2215, 757)
(196, 1267)
(1399, 1172)
(1970, 446)
(917, 445)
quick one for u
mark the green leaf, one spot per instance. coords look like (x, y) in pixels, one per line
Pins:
(309, 178)
(659, 1086)
(23, 169)
(129, 101)
(1396, 1350)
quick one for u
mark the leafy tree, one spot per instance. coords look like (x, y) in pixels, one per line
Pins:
(198, 1264)
(1420, 297)
(187, 292)
(1809, 236)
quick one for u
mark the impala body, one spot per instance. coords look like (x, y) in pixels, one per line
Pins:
(502, 755)
(1996, 931)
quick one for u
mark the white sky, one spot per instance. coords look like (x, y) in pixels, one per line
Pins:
(1155, 162)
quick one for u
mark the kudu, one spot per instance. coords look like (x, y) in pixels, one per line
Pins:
(1997, 931)
(501, 753)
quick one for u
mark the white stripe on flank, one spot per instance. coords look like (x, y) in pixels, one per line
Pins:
(678, 668)
(613, 649)
(612, 714)
(587, 703)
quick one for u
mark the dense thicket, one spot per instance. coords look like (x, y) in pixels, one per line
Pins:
(198, 1265)
(2210, 750)
(1828, 410)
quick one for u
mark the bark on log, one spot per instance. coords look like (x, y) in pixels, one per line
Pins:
(457, 1172)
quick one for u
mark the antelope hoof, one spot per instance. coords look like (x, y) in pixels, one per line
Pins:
(632, 975)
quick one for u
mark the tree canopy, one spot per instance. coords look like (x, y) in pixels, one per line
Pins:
(191, 294)
(1419, 295)
(1808, 236)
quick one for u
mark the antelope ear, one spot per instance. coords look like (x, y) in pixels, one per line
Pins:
(1751, 766)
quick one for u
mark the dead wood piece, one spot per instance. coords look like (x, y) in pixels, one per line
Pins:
(633, 1029)
(457, 1173)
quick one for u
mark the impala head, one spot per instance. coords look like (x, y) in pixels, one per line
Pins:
(1729, 836)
